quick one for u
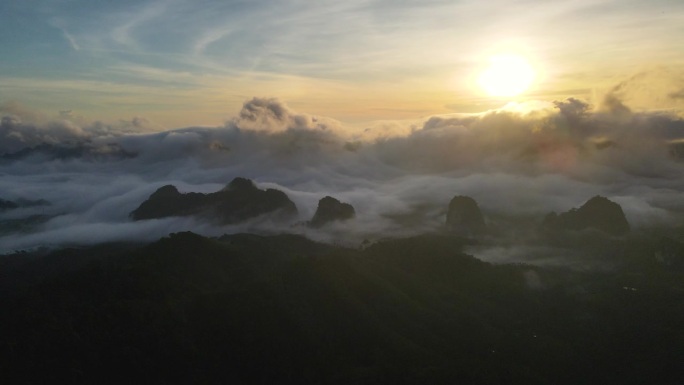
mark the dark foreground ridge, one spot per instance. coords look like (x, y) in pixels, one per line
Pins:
(249, 309)
(238, 201)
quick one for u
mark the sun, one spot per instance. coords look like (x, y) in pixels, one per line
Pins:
(507, 75)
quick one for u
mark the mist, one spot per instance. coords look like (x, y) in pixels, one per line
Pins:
(520, 161)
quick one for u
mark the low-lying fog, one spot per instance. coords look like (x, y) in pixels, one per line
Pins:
(518, 163)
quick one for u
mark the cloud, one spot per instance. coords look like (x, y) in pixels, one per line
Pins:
(17, 135)
(60, 24)
(211, 37)
(655, 88)
(572, 109)
(21, 128)
(124, 34)
(614, 105)
(72, 40)
(677, 94)
(270, 114)
(517, 162)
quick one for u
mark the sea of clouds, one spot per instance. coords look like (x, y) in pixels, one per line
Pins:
(520, 161)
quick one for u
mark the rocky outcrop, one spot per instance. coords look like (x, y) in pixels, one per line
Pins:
(331, 210)
(238, 201)
(464, 216)
(597, 213)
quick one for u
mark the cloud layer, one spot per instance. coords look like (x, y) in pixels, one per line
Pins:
(520, 161)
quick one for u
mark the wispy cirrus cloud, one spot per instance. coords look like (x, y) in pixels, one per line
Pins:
(137, 17)
(59, 24)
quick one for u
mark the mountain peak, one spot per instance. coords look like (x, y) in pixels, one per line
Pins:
(598, 213)
(464, 216)
(239, 201)
(240, 183)
(330, 210)
(168, 190)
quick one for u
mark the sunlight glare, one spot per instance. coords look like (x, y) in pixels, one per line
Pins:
(507, 75)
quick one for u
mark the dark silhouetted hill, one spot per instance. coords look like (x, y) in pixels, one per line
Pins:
(597, 213)
(250, 309)
(238, 201)
(464, 216)
(330, 210)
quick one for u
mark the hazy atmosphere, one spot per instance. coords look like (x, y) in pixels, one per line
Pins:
(342, 192)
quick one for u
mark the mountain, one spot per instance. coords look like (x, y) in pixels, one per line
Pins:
(330, 210)
(250, 309)
(599, 213)
(464, 216)
(238, 201)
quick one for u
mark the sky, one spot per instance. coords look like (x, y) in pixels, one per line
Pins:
(179, 63)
